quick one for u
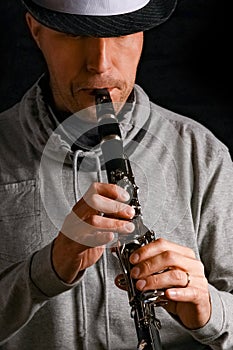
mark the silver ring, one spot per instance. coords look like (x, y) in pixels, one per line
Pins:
(188, 279)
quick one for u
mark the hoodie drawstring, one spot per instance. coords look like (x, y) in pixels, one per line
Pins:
(107, 325)
(81, 154)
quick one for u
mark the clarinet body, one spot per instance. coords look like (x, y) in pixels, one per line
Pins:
(119, 172)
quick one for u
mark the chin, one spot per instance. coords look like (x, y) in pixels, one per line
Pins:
(86, 110)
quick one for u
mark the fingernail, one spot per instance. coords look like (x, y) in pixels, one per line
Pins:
(131, 212)
(141, 284)
(129, 227)
(134, 258)
(172, 293)
(125, 196)
(135, 272)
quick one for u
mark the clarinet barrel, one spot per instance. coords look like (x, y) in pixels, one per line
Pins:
(119, 172)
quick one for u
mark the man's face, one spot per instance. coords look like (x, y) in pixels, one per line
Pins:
(79, 65)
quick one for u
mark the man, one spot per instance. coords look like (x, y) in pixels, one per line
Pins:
(57, 289)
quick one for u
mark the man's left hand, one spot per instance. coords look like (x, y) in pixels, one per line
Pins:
(182, 278)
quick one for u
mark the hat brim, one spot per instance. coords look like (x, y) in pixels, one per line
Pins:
(153, 14)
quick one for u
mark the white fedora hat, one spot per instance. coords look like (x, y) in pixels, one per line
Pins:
(100, 18)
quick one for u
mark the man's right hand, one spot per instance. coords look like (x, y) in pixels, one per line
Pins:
(86, 230)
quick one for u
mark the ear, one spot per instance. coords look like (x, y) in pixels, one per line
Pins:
(34, 27)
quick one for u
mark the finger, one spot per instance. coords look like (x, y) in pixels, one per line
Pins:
(168, 279)
(109, 206)
(167, 260)
(157, 247)
(190, 294)
(108, 190)
(171, 279)
(91, 238)
(85, 205)
(106, 224)
(84, 232)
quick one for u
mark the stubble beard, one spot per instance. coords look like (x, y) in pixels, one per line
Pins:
(69, 100)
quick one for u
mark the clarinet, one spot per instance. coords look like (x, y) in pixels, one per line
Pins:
(119, 172)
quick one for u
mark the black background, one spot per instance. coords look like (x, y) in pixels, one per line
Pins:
(186, 65)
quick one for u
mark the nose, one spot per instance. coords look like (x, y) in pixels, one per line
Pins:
(99, 55)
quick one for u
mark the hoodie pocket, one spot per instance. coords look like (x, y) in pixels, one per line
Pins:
(20, 232)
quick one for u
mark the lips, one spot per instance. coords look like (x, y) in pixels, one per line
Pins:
(99, 88)
(92, 91)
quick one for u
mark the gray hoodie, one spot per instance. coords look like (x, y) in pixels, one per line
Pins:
(185, 177)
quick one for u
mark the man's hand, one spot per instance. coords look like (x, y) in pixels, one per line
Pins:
(183, 280)
(86, 230)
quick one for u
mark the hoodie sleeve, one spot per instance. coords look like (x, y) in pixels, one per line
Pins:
(215, 239)
(24, 288)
